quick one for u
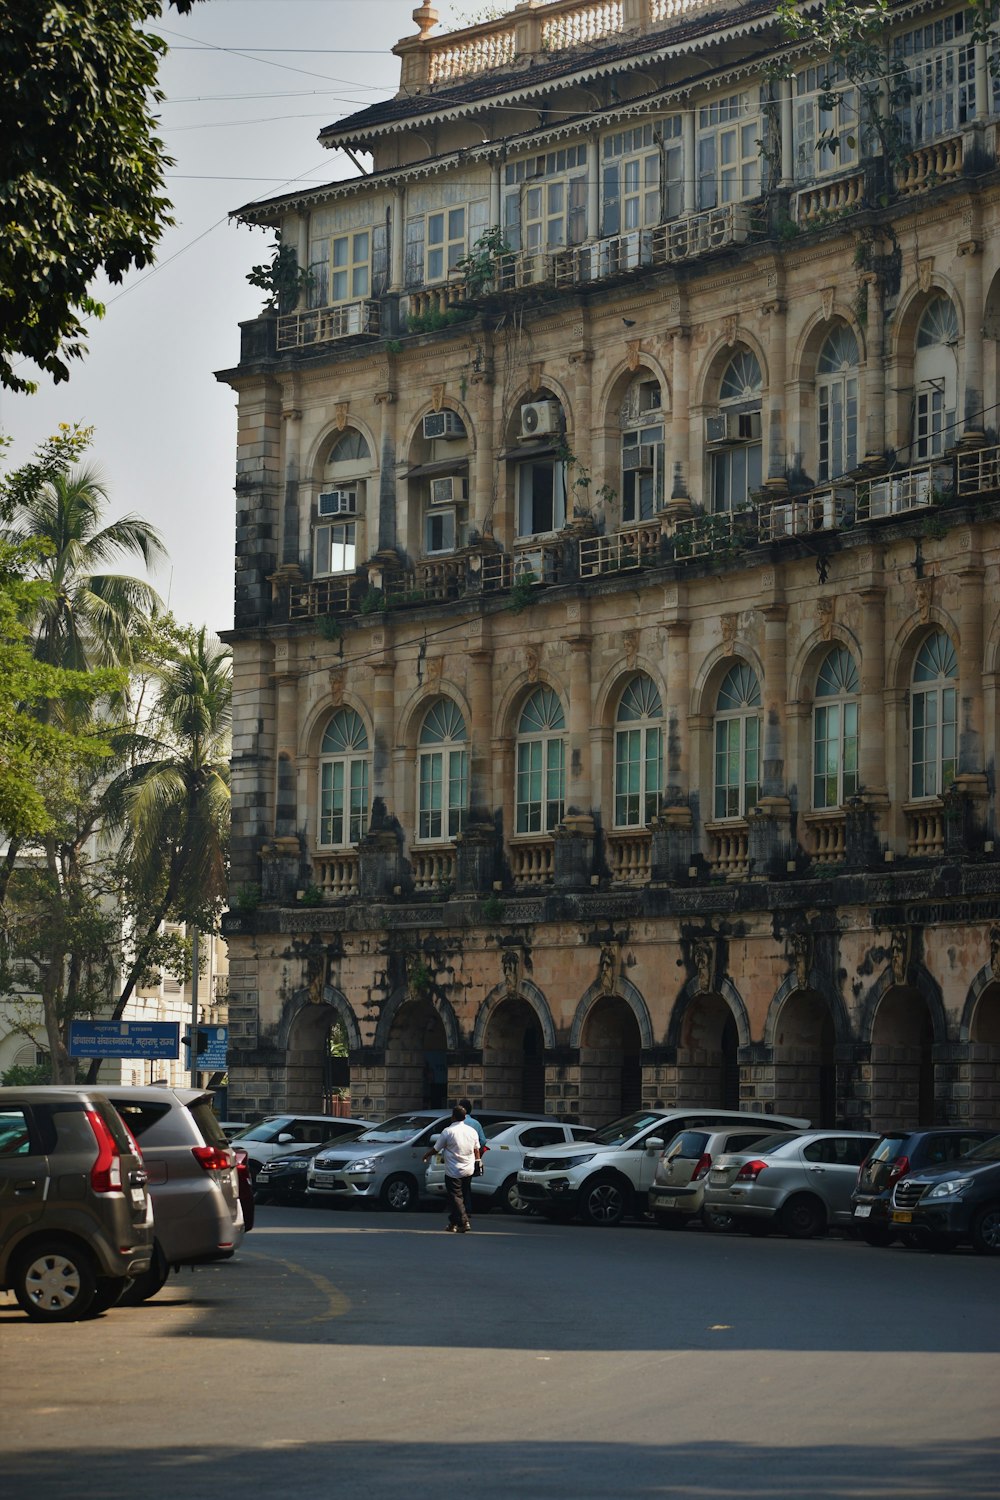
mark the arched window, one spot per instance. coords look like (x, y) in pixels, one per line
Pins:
(734, 435)
(541, 764)
(339, 502)
(737, 743)
(835, 730)
(343, 781)
(442, 772)
(933, 717)
(837, 403)
(935, 379)
(638, 754)
(642, 451)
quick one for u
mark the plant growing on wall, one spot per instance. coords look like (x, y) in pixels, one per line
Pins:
(480, 265)
(281, 277)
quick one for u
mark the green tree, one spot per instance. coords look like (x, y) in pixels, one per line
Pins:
(81, 168)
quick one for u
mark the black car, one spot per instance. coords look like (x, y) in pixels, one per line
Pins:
(898, 1154)
(955, 1203)
(283, 1178)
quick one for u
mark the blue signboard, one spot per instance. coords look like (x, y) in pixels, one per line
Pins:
(124, 1039)
(213, 1044)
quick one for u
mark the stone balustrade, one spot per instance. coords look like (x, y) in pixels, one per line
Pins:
(728, 848)
(480, 52)
(629, 856)
(336, 874)
(826, 836)
(928, 165)
(532, 861)
(433, 868)
(826, 200)
(924, 827)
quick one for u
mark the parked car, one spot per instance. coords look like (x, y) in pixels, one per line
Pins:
(609, 1177)
(954, 1203)
(231, 1128)
(507, 1143)
(276, 1134)
(283, 1178)
(800, 1184)
(903, 1153)
(677, 1194)
(193, 1179)
(386, 1163)
(76, 1220)
(245, 1183)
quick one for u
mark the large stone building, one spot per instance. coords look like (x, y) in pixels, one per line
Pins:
(617, 624)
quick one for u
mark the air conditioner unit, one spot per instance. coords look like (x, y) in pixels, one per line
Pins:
(733, 427)
(717, 429)
(447, 491)
(747, 425)
(882, 498)
(350, 319)
(443, 424)
(639, 459)
(782, 521)
(338, 503)
(540, 418)
(531, 270)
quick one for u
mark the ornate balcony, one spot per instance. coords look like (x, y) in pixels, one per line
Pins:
(530, 564)
(328, 325)
(336, 874)
(635, 547)
(826, 836)
(924, 827)
(326, 596)
(828, 200)
(721, 534)
(905, 490)
(433, 868)
(629, 855)
(828, 509)
(929, 165)
(728, 848)
(979, 471)
(532, 861)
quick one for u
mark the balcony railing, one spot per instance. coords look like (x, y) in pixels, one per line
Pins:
(629, 855)
(532, 861)
(924, 827)
(826, 836)
(979, 471)
(725, 532)
(828, 200)
(905, 490)
(617, 255)
(327, 325)
(336, 874)
(928, 165)
(821, 510)
(326, 596)
(636, 547)
(728, 848)
(530, 564)
(437, 299)
(433, 869)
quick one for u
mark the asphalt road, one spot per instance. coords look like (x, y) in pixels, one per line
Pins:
(347, 1354)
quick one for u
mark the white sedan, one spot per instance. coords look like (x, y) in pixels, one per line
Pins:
(507, 1143)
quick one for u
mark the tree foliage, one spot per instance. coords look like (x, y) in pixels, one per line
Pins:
(81, 168)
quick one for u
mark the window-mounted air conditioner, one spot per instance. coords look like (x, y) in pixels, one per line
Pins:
(447, 491)
(733, 427)
(782, 521)
(443, 424)
(540, 418)
(338, 503)
(639, 459)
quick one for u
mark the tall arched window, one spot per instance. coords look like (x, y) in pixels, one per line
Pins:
(935, 379)
(642, 451)
(541, 764)
(933, 717)
(734, 435)
(835, 730)
(340, 500)
(638, 754)
(343, 781)
(837, 403)
(737, 743)
(442, 772)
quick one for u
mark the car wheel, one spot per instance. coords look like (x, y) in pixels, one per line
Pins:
(986, 1230)
(55, 1281)
(110, 1291)
(399, 1195)
(717, 1220)
(803, 1217)
(509, 1198)
(604, 1202)
(146, 1285)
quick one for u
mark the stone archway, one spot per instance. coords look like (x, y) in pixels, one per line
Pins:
(610, 1061)
(514, 1058)
(416, 1058)
(902, 1060)
(708, 1069)
(803, 1051)
(983, 1057)
(317, 1081)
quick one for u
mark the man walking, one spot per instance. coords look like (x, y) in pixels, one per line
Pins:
(459, 1145)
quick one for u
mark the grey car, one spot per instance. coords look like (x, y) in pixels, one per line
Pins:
(800, 1184)
(276, 1134)
(677, 1194)
(75, 1217)
(192, 1178)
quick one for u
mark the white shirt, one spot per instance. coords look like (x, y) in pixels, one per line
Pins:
(458, 1144)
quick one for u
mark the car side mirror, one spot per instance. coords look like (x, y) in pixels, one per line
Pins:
(286, 1140)
(654, 1143)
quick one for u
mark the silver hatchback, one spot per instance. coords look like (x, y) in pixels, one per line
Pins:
(800, 1184)
(677, 1195)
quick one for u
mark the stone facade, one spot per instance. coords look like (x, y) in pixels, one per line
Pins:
(616, 641)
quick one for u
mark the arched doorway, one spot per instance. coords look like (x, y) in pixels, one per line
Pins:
(708, 1070)
(803, 1054)
(416, 1059)
(984, 1058)
(902, 1067)
(610, 1062)
(318, 1064)
(514, 1059)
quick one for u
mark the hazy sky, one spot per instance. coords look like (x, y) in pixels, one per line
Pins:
(249, 85)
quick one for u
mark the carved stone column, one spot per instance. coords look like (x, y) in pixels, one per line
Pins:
(481, 737)
(971, 776)
(583, 427)
(679, 503)
(775, 697)
(774, 310)
(386, 401)
(874, 437)
(383, 716)
(970, 251)
(677, 769)
(579, 793)
(871, 754)
(481, 386)
(291, 547)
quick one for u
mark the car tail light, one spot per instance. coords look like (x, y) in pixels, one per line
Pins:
(213, 1158)
(751, 1170)
(703, 1168)
(106, 1173)
(899, 1168)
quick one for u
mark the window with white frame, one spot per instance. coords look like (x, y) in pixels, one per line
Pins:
(435, 242)
(734, 434)
(340, 500)
(837, 403)
(935, 379)
(737, 743)
(442, 772)
(545, 200)
(540, 792)
(939, 63)
(642, 452)
(835, 730)
(933, 717)
(729, 158)
(641, 176)
(827, 128)
(638, 754)
(343, 781)
(541, 496)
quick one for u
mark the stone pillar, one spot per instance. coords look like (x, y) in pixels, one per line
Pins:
(480, 734)
(679, 503)
(386, 401)
(300, 225)
(874, 393)
(676, 759)
(291, 547)
(383, 717)
(397, 232)
(787, 135)
(579, 793)
(776, 465)
(594, 191)
(690, 161)
(481, 510)
(583, 427)
(982, 82)
(495, 209)
(971, 777)
(775, 695)
(872, 748)
(286, 728)
(971, 251)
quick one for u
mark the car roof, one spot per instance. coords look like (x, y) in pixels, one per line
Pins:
(151, 1093)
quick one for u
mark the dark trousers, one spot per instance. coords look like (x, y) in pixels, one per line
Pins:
(459, 1190)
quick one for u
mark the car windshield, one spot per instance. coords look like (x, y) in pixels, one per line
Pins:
(988, 1151)
(267, 1130)
(624, 1129)
(399, 1128)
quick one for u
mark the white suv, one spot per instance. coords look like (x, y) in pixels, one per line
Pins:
(605, 1179)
